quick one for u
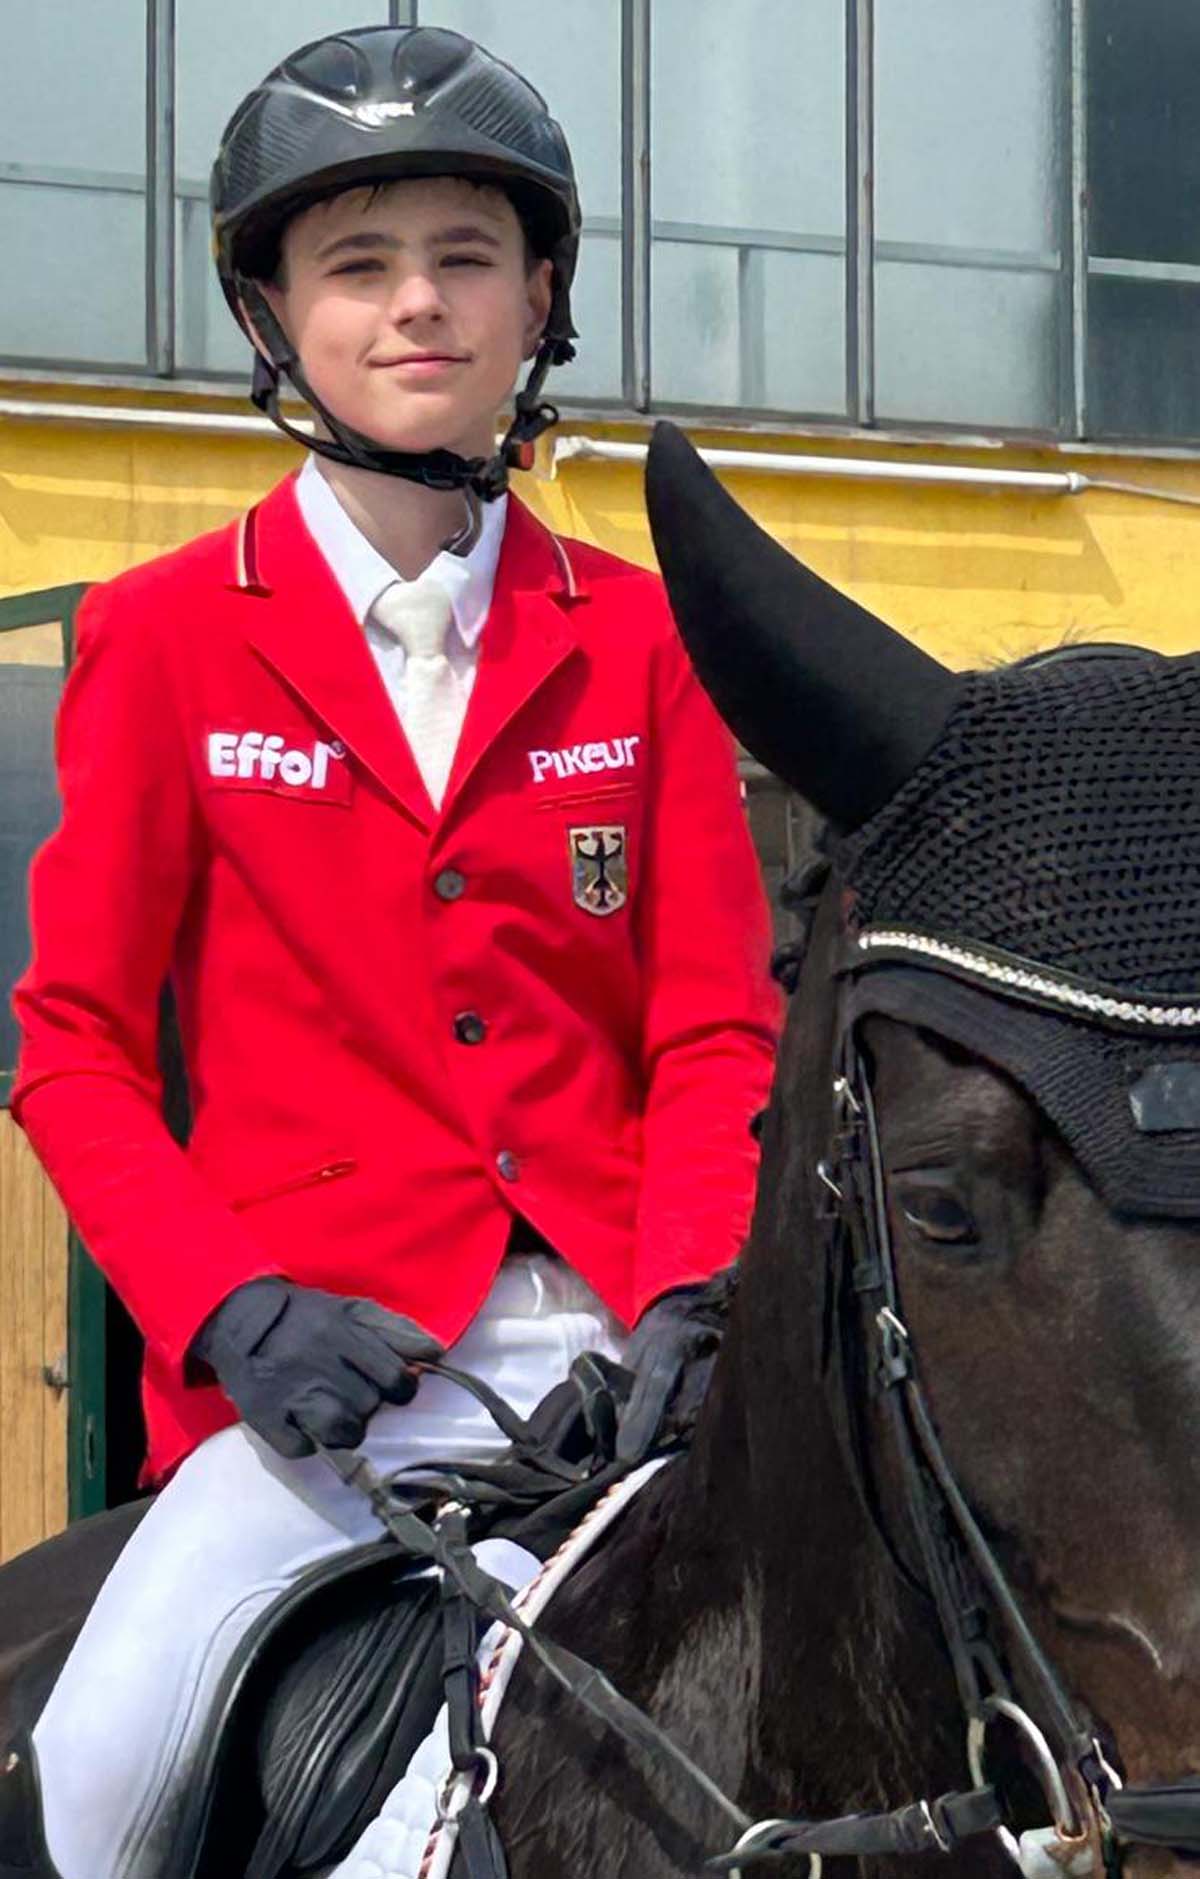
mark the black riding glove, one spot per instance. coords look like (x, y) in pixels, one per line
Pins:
(671, 1354)
(303, 1366)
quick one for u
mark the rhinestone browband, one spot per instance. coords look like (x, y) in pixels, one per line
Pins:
(1036, 982)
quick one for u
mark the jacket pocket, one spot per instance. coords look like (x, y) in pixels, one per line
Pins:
(292, 1183)
(568, 801)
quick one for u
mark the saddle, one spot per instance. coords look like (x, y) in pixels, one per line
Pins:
(317, 1719)
(342, 1677)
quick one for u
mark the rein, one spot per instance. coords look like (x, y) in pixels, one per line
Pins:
(1094, 1819)
(469, 1592)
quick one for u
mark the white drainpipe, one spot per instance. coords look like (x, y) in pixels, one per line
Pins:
(872, 470)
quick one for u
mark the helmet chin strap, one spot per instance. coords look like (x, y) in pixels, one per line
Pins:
(482, 479)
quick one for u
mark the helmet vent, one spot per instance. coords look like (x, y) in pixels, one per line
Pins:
(335, 67)
(427, 57)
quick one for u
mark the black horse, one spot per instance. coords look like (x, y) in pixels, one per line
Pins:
(768, 1600)
(980, 1199)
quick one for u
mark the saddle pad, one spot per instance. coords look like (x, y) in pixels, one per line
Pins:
(409, 1840)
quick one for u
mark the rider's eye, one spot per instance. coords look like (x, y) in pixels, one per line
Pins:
(939, 1215)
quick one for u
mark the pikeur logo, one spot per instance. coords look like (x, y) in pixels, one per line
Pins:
(583, 759)
(252, 757)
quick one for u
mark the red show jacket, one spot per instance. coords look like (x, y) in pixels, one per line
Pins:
(401, 1026)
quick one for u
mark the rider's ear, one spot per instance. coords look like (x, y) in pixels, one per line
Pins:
(540, 291)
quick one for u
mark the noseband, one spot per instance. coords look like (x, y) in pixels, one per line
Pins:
(1094, 1819)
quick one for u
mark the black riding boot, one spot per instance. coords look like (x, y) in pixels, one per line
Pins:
(23, 1852)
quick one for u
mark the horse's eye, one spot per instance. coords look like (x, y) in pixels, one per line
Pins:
(939, 1215)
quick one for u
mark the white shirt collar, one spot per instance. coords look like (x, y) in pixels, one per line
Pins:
(363, 573)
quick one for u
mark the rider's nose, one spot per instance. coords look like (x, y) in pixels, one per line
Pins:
(417, 297)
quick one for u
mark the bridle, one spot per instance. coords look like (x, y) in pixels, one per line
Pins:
(958, 1570)
(1094, 1819)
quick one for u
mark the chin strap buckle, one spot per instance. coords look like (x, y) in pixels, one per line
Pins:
(490, 478)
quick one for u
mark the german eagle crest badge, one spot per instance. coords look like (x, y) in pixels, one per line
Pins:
(599, 867)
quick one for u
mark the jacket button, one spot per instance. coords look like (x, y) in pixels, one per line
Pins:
(450, 884)
(507, 1165)
(470, 1028)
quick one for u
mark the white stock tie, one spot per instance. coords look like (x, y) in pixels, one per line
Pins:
(418, 613)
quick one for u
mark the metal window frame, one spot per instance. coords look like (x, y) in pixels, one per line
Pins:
(860, 212)
(1074, 301)
(637, 234)
(160, 187)
(638, 231)
(700, 234)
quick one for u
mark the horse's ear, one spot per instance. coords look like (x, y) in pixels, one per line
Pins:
(831, 699)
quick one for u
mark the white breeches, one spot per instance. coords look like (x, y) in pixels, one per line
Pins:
(232, 1529)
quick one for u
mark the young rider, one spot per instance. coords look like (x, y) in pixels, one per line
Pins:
(424, 816)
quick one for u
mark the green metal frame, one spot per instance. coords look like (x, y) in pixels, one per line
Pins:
(86, 1291)
(49, 606)
(52, 606)
(87, 1361)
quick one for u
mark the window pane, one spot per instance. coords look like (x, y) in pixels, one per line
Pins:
(1143, 345)
(223, 48)
(764, 328)
(1144, 129)
(207, 338)
(968, 138)
(72, 182)
(572, 53)
(955, 345)
(749, 204)
(596, 309)
(1143, 179)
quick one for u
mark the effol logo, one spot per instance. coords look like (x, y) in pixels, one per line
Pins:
(254, 759)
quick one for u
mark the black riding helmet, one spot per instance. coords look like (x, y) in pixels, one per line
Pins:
(371, 106)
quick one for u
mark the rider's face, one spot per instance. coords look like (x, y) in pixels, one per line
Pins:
(412, 307)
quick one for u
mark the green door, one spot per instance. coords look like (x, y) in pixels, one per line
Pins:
(36, 638)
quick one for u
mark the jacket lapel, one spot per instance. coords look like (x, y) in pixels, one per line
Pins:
(527, 637)
(298, 620)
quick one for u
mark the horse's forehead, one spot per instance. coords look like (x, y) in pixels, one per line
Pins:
(1057, 818)
(1057, 821)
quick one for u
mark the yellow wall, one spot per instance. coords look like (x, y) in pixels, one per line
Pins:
(974, 577)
